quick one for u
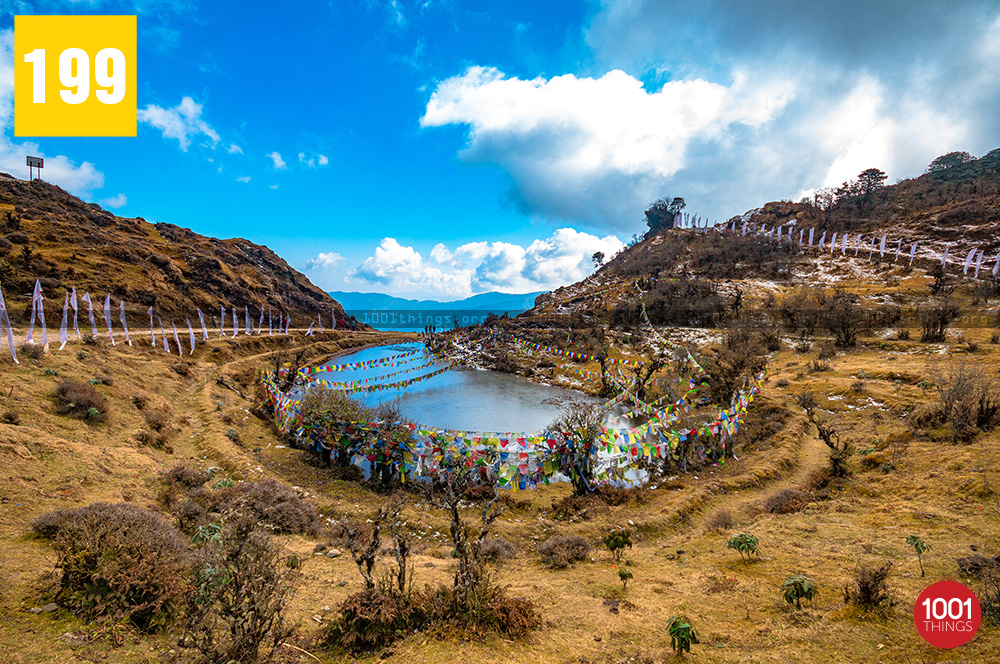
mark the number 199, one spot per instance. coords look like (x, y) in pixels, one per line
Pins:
(74, 74)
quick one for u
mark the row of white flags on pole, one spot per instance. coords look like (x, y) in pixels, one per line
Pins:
(845, 242)
(274, 326)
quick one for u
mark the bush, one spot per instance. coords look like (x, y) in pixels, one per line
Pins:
(786, 501)
(561, 551)
(155, 420)
(275, 504)
(185, 475)
(721, 519)
(91, 339)
(797, 588)
(497, 550)
(34, 351)
(80, 400)
(869, 588)
(243, 584)
(18, 237)
(617, 541)
(11, 416)
(968, 401)
(978, 566)
(746, 544)
(935, 318)
(119, 562)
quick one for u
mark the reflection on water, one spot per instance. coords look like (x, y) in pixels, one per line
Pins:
(463, 400)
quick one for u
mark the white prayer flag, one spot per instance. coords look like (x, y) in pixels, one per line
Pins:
(152, 335)
(270, 321)
(246, 319)
(124, 322)
(309, 332)
(968, 260)
(90, 313)
(177, 340)
(72, 303)
(899, 245)
(222, 321)
(5, 320)
(822, 240)
(107, 317)
(913, 251)
(843, 245)
(191, 335)
(944, 256)
(871, 249)
(62, 327)
(204, 330)
(163, 335)
(979, 263)
(34, 311)
(236, 324)
(811, 231)
(881, 247)
(833, 242)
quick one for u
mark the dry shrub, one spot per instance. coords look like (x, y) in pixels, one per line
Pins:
(563, 550)
(497, 550)
(370, 619)
(156, 420)
(721, 519)
(182, 369)
(80, 400)
(869, 588)
(244, 584)
(91, 339)
(34, 351)
(185, 475)
(273, 503)
(11, 416)
(119, 562)
(104, 379)
(786, 501)
(875, 459)
(978, 566)
(153, 439)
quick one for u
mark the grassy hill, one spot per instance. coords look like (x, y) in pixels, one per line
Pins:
(49, 234)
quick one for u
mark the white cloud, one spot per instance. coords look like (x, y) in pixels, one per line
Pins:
(322, 160)
(115, 202)
(182, 122)
(279, 163)
(592, 149)
(272, 186)
(245, 178)
(311, 163)
(476, 267)
(79, 179)
(324, 261)
(235, 149)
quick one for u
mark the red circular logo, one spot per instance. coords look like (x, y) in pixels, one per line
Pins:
(947, 614)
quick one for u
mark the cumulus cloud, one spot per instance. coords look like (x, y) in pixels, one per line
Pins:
(115, 202)
(590, 148)
(244, 178)
(182, 122)
(312, 162)
(279, 163)
(324, 261)
(742, 103)
(79, 179)
(477, 267)
(322, 160)
(234, 149)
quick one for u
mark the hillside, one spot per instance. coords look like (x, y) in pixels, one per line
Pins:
(49, 234)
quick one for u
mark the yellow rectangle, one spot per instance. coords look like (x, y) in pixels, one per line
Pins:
(79, 78)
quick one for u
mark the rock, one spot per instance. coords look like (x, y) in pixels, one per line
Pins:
(429, 565)
(318, 618)
(342, 584)
(612, 605)
(47, 608)
(334, 553)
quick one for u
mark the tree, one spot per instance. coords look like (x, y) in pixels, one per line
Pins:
(870, 181)
(583, 425)
(598, 258)
(661, 213)
(950, 160)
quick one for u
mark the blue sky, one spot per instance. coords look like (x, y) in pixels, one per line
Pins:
(441, 148)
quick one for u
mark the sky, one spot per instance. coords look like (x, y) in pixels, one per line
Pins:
(440, 148)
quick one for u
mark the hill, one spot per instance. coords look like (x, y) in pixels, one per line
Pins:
(495, 302)
(49, 234)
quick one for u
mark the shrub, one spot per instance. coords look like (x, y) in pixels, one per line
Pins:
(616, 541)
(371, 619)
(858, 386)
(91, 339)
(34, 351)
(18, 237)
(935, 318)
(682, 634)
(745, 544)
(786, 501)
(903, 335)
(103, 379)
(875, 459)
(797, 588)
(233, 435)
(119, 562)
(497, 550)
(625, 575)
(185, 475)
(869, 588)
(721, 519)
(275, 504)
(561, 551)
(968, 401)
(978, 565)
(11, 416)
(82, 354)
(243, 584)
(155, 419)
(80, 400)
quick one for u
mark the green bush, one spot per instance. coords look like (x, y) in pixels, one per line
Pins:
(797, 588)
(745, 544)
(682, 634)
(616, 541)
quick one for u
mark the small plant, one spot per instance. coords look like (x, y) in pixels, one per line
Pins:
(682, 634)
(82, 355)
(51, 372)
(798, 588)
(625, 575)
(921, 547)
(219, 405)
(745, 544)
(233, 435)
(208, 533)
(93, 414)
(616, 541)
(224, 483)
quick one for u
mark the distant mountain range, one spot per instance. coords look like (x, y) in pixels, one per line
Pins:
(490, 302)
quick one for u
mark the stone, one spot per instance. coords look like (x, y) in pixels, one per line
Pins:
(334, 553)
